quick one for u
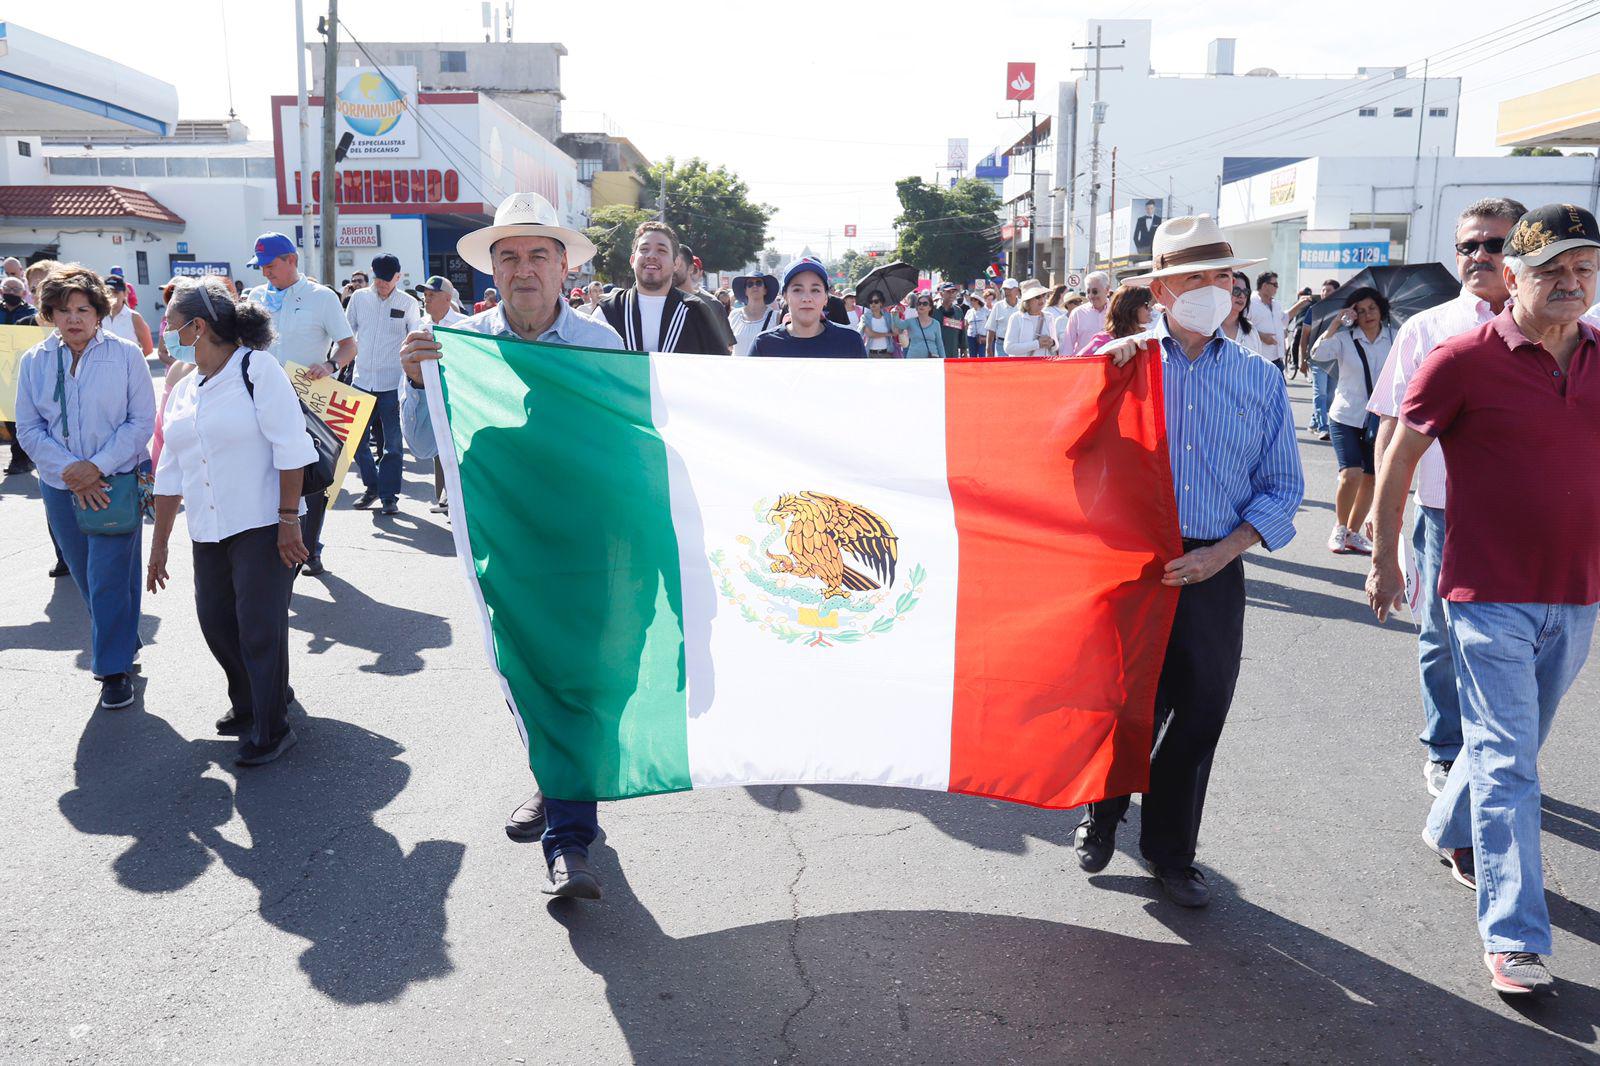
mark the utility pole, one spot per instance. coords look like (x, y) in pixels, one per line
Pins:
(1033, 188)
(1416, 166)
(330, 112)
(304, 186)
(1099, 116)
(661, 200)
(1112, 236)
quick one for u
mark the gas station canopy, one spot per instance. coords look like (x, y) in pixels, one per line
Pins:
(51, 88)
(1561, 116)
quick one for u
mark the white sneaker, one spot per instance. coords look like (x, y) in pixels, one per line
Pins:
(1338, 541)
(1357, 543)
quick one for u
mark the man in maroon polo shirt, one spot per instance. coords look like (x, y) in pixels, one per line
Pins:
(1515, 407)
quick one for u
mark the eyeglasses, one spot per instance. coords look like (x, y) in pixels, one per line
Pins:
(1492, 246)
(1241, 292)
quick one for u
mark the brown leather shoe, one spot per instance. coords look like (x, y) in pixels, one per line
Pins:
(570, 878)
(527, 821)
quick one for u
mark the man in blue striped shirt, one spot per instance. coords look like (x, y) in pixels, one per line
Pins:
(1236, 473)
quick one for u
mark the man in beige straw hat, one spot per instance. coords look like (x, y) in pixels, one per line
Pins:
(530, 254)
(1236, 473)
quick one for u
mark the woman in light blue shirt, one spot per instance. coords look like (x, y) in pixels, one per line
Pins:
(925, 334)
(85, 412)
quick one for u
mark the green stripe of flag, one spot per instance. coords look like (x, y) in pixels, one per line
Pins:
(564, 492)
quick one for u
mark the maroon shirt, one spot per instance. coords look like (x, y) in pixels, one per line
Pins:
(1521, 443)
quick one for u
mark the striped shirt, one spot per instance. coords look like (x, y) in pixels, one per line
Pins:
(1230, 437)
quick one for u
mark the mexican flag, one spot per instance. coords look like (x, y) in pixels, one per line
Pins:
(700, 570)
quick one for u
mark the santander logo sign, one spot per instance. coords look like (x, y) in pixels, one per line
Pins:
(1019, 81)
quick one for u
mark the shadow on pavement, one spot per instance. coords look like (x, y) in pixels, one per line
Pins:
(397, 636)
(941, 986)
(993, 825)
(1270, 596)
(431, 538)
(1572, 823)
(374, 914)
(137, 777)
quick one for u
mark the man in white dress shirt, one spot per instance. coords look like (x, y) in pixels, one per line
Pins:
(382, 314)
(1267, 316)
(309, 320)
(1480, 258)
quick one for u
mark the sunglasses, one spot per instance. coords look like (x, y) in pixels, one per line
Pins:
(1492, 246)
(1241, 292)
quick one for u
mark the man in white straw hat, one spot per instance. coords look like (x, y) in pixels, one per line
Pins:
(530, 255)
(1236, 474)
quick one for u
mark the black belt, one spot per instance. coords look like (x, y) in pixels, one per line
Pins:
(1191, 543)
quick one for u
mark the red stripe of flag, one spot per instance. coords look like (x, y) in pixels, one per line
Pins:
(1065, 514)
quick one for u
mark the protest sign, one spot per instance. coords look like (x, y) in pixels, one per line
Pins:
(344, 408)
(14, 340)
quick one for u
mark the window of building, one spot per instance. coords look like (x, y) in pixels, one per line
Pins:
(111, 167)
(24, 147)
(150, 166)
(227, 167)
(452, 62)
(588, 168)
(75, 166)
(259, 168)
(1438, 112)
(1368, 112)
(405, 58)
(186, 166)
(1402, 112)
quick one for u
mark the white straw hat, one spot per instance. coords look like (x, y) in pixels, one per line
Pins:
(524, 214)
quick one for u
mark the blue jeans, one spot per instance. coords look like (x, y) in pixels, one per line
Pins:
(109, 574)
(383, 430)
(1441, 707)
(1321, 399)
(570, 825)
(1514, 662)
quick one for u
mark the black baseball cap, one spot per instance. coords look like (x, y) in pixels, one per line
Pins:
(1545, 232)
(385, 266)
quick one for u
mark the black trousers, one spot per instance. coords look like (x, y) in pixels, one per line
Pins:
(241, 596)
(311, 523)
(1192, 701)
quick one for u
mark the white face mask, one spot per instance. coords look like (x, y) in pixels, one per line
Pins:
(1203, 309)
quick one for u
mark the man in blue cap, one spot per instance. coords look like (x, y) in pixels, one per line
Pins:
(309, 322)
(382, 315)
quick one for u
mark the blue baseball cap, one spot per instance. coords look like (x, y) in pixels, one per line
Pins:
(801, 266)
(268, 247)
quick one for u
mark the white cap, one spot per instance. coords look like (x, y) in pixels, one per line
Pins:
(1011, 283)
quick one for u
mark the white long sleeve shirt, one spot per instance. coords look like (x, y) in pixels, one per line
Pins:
(223, 451)
(381, 327)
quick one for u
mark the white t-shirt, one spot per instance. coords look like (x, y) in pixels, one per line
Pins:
(309, 319)
(746, 331)
(977, 321)
(650, 309)
(451, 317)
(999, 315)
(880, 324)
(1268, 320)
(121, 324)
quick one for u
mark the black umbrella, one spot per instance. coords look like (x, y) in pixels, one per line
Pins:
(1409, 289)
(892, 281)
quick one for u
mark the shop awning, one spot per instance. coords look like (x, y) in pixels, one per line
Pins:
(50, 87)
(1559, 116)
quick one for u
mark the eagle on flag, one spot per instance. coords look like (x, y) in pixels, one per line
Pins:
(821, 529)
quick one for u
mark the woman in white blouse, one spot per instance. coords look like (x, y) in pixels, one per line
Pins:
(1353, 350)
(236, 461)
(1025, 332)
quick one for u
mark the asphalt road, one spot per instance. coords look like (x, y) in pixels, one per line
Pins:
(359, 901)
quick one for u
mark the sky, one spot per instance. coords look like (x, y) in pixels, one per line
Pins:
(820, 114)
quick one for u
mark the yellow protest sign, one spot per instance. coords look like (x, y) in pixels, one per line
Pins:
(345, 410)
(14, 340)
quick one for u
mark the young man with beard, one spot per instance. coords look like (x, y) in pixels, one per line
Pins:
(653, 315)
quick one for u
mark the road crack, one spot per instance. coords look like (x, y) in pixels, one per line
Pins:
(791, 1047)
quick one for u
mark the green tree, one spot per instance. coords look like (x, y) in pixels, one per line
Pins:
(611, 229)
(953, 231)
(1536, 151)
(712, 211)
(852, 265)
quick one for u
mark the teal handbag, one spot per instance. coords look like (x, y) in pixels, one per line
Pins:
(131, 494)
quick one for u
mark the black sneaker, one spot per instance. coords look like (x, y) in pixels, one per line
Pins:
(251, 755)
(116, 691)
(60, 569)
(313, 567)
(570, 878)
(234, 724)
(367, 499)
(1186, 887)
(390, 507)
(1094, 845)
(1435, 772)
